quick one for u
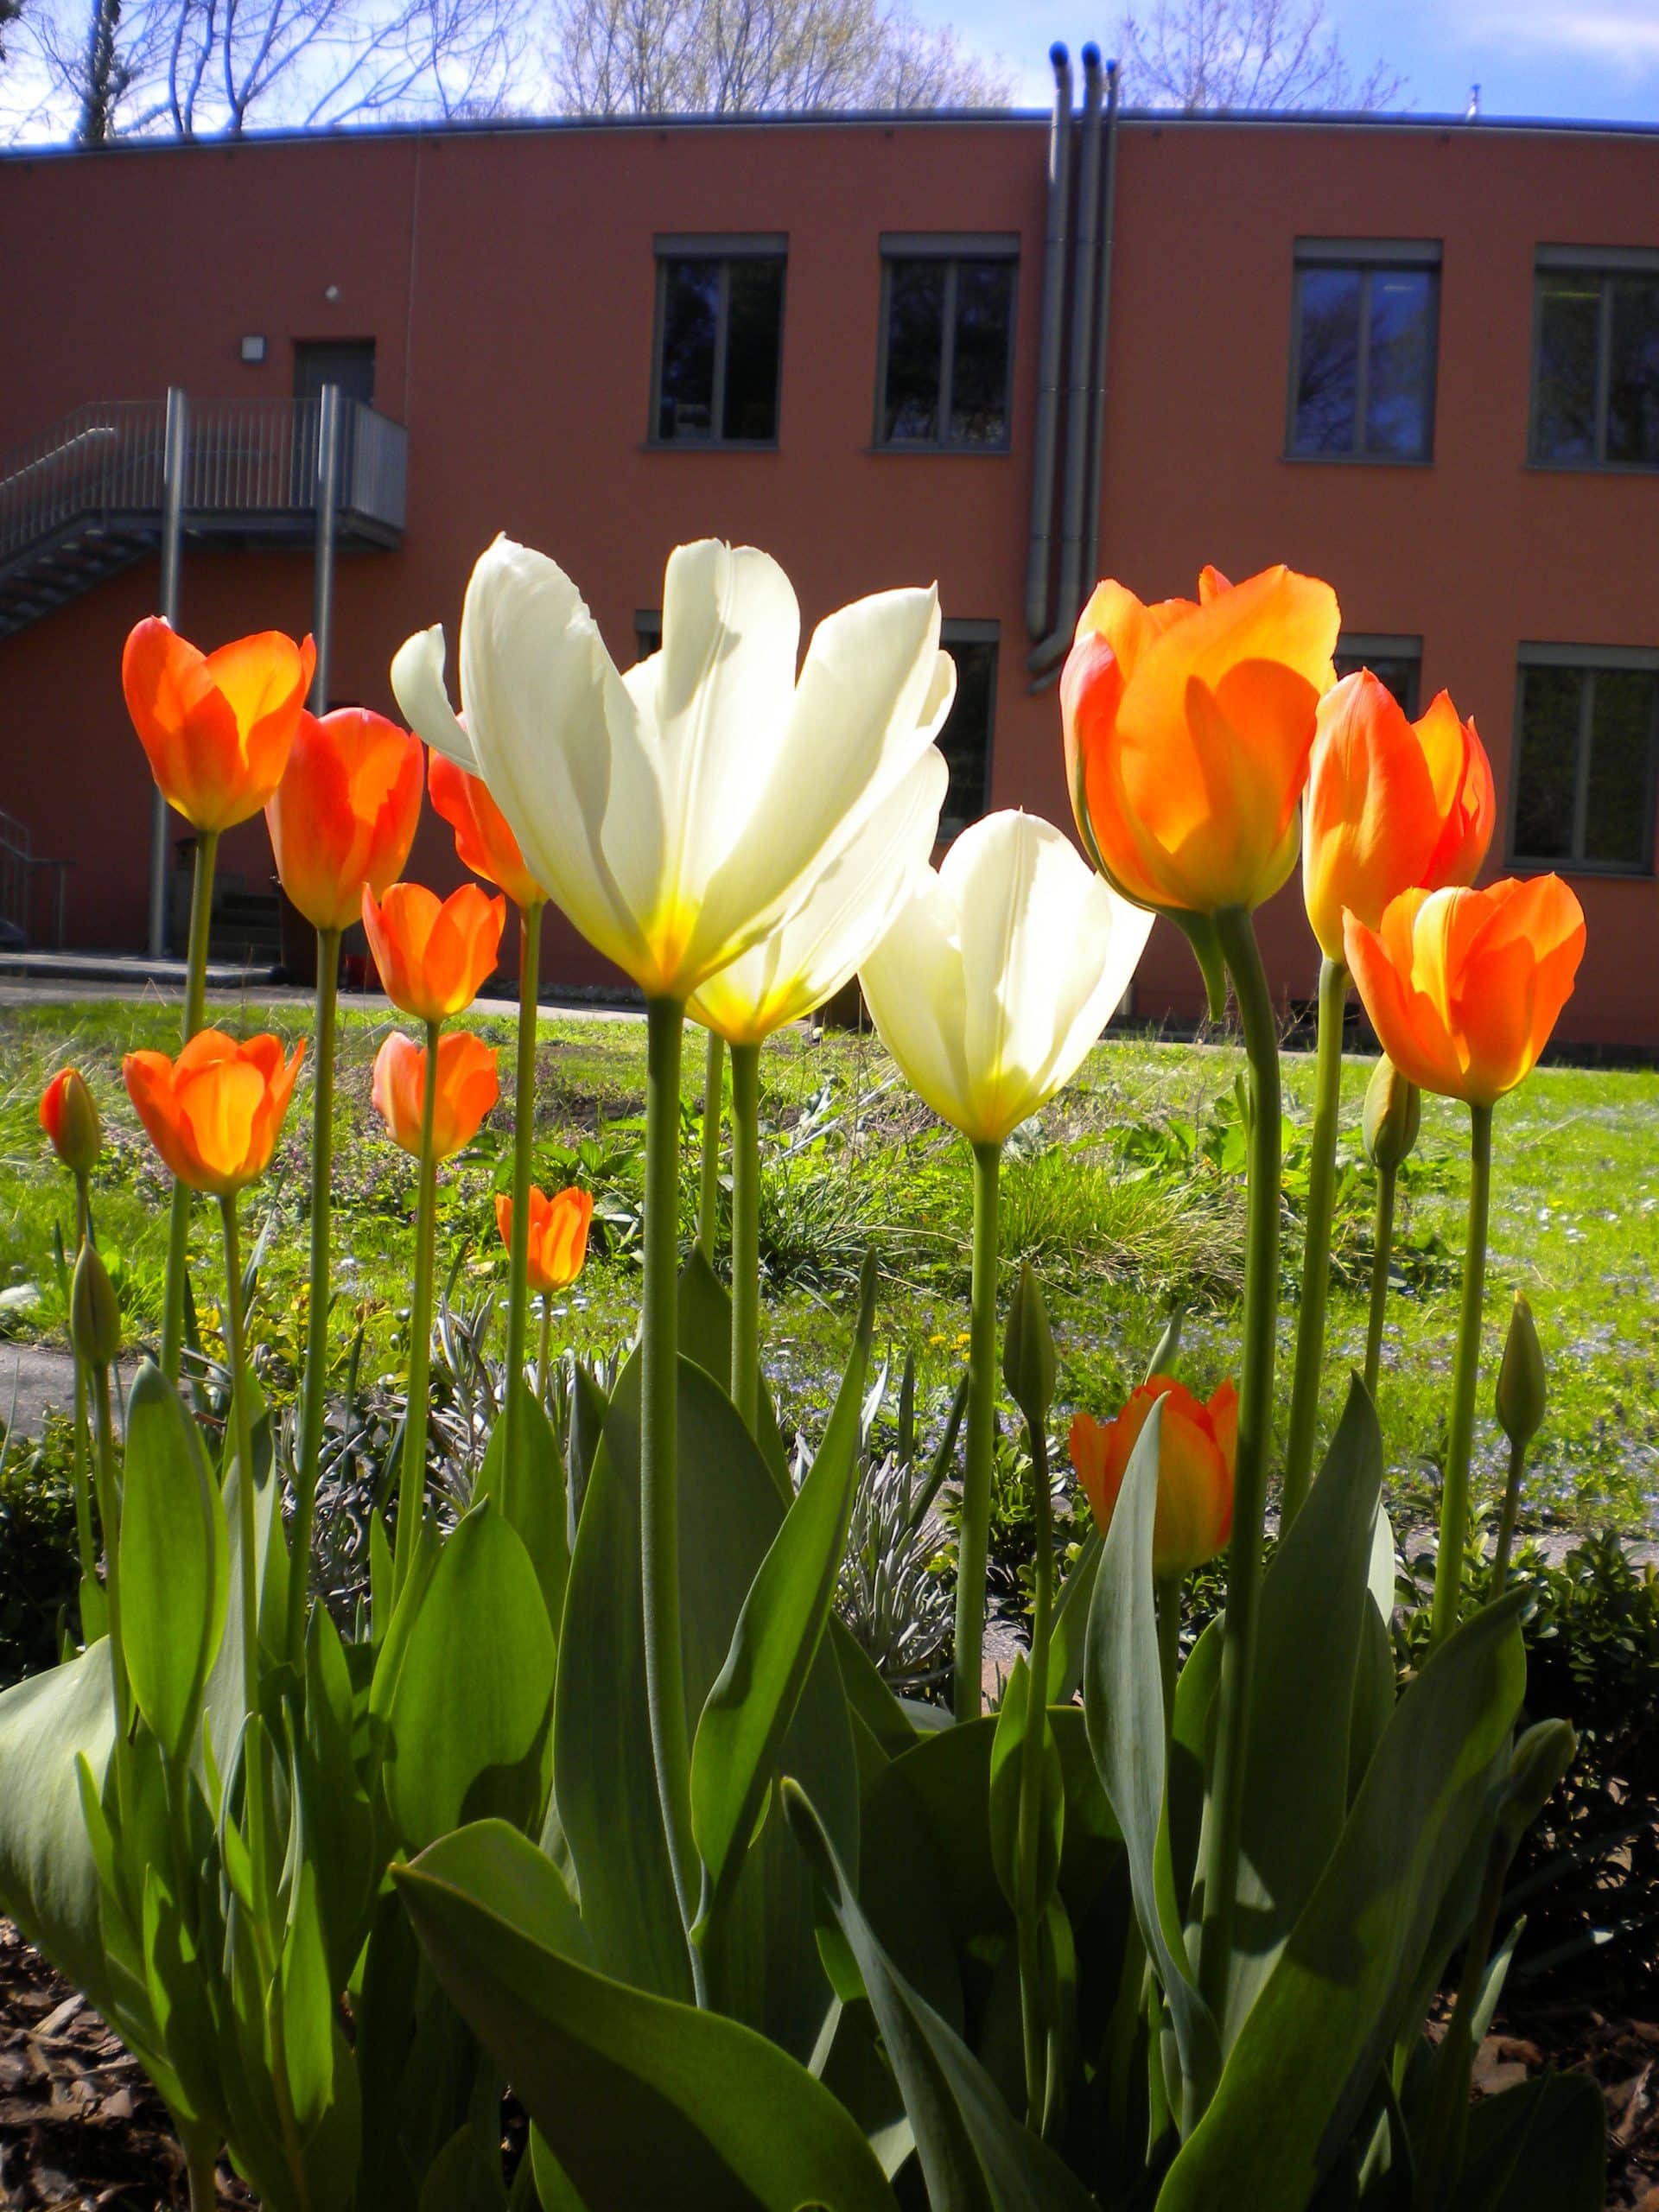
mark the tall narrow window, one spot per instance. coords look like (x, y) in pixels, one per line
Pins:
(720, 323)
(1363, 350)
(1595, 387)
(1395, 662)
(965, 740)
(1588, 722)
(947, 342)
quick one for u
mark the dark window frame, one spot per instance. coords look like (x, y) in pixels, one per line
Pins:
(1605, 264)
(1365, 647)
(1368, 257)
(952, 248)
(1589, 660)
(957, 631)
(724, 248)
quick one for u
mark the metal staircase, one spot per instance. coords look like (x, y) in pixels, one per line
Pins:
(87, 498)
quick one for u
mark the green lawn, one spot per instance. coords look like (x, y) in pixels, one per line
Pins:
(1127, 1199)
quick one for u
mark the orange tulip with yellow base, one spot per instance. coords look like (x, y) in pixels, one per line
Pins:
(468, 1087)
(558, 1235)
(1465, 987)
(345, 813)
(217, 727)
(433, 954)
(1392, 805)
(215, 1113)
(1199, 1444)
(484, 839)
(1188, 726)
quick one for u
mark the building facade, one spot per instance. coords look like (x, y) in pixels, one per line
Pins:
(1419, 359)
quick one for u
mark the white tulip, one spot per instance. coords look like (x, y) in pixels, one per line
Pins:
(677, 813)
(999, 972)
(847, 912)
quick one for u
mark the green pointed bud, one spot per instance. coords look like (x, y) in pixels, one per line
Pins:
(1163, 1358)
(1520, 1390)
(1393, 1109)
(1542, 1756)
(1028, 1350)
(94, 1311)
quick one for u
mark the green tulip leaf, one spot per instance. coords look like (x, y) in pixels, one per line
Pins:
(1027, 1889)
(1070, 1623)
(526, 1480)
(642, 2101)
(48, 1876)
(706, 1338)
(175, 1558)
(1538, 2147)
(224, 1689)
(589, 1407)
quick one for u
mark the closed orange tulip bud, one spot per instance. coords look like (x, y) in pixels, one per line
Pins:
(433, 954)
(558, 1235)
(484, 841)
(1195, 1470)
(215, 1113)
(217, 727)
(69, 1116)
(1392, 805)
(345, 812)
(1188, 726)
(467, 1088)
(1465, 987)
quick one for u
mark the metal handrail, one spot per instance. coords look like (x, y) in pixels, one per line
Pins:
(243, 458)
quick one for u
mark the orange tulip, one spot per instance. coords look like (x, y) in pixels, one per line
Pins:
(1188, 726)
(345, 812)
(215, 1113)
(69, 1116)
(468, 1088)
(558, 1235)
(1392, 805)
(484, 840)
(217, 727)
(433, 954)
(1464, 987)
(1195, 1470)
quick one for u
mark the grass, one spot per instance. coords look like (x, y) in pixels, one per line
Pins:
(1127, 1198)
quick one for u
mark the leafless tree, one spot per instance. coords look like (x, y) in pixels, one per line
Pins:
(738, 57)
(1245, 54)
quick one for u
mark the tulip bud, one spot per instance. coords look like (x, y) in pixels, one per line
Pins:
(1163, 1359)
(94, 1311)
(1393, 1111)
(69, 1116)
(1540, 1758)
(1520, 1389)
(1028, 1352)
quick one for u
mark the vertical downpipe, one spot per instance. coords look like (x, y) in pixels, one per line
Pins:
(1096, 459)
(1048, 367)
(322, 605)
(172, 540)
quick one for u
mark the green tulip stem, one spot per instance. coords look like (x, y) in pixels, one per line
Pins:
(1168, 1588)
(1316, 1247)
(85, 1540)
(1238, 937)
(1382, 1251)
(109, 1513)
(973, 1539)
(1466, 1368)
(242, 1430)
(315, 1395)
(709, 1200)
(524, 1149)
(542, 1349)
(746, 1231)
(1444, 2131)
(195, 1000)
(1033, 1747)
(1507, 1518)
(411, 1484)
(659, 1474)
(201, 2168)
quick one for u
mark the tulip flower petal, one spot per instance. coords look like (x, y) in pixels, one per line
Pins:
(422, 697)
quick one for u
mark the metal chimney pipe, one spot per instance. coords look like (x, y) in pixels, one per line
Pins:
(1096, 455)
(1048, 367)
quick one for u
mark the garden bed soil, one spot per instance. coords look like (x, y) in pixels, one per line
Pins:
(80, 2127)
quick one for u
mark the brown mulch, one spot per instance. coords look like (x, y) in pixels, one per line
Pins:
(80, 2127)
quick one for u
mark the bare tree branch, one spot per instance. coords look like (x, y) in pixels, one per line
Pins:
(1237, 55)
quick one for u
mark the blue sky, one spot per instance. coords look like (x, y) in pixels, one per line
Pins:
(1581, 58)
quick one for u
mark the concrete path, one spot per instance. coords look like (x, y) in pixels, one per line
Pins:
(34, 1378)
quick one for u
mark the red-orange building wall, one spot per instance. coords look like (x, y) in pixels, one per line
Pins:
(508, 281)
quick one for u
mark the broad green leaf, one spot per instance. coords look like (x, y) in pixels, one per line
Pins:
(748, 1711)
(175, 1558)
(1373, 1689)
(178, 1989)
(706, 1338)
(1192, 1739)
(869, 1697)
(48, 1876)
(528, 1485)
(308, 2004)
(1071, 1624)
(974, 2156)
(223, 1692)
(1124, 1706)
(1381, 1572)
(589, 1407)
(1313, 2042)
(1027, 1889)
(1312, 1610)
(1538, 2147)
(460, 2179)
(339, 1820)
(468, 1715)
(642, 2101)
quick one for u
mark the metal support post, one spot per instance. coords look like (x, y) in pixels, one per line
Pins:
(172, 539)
(322, 613)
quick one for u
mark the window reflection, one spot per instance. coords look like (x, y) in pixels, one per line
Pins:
(1365, 344)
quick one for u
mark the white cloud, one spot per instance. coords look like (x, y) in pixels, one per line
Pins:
(1625, 37)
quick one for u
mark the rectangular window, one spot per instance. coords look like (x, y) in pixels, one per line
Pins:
(1363, 349)
(1595, 387)
(720, 329)
(947, 342)
(965, 740)
(1395, 662)
(1588, 722)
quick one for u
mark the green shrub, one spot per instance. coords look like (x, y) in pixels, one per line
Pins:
(38, 1567)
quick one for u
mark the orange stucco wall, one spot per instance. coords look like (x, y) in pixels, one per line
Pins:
(507, 279)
